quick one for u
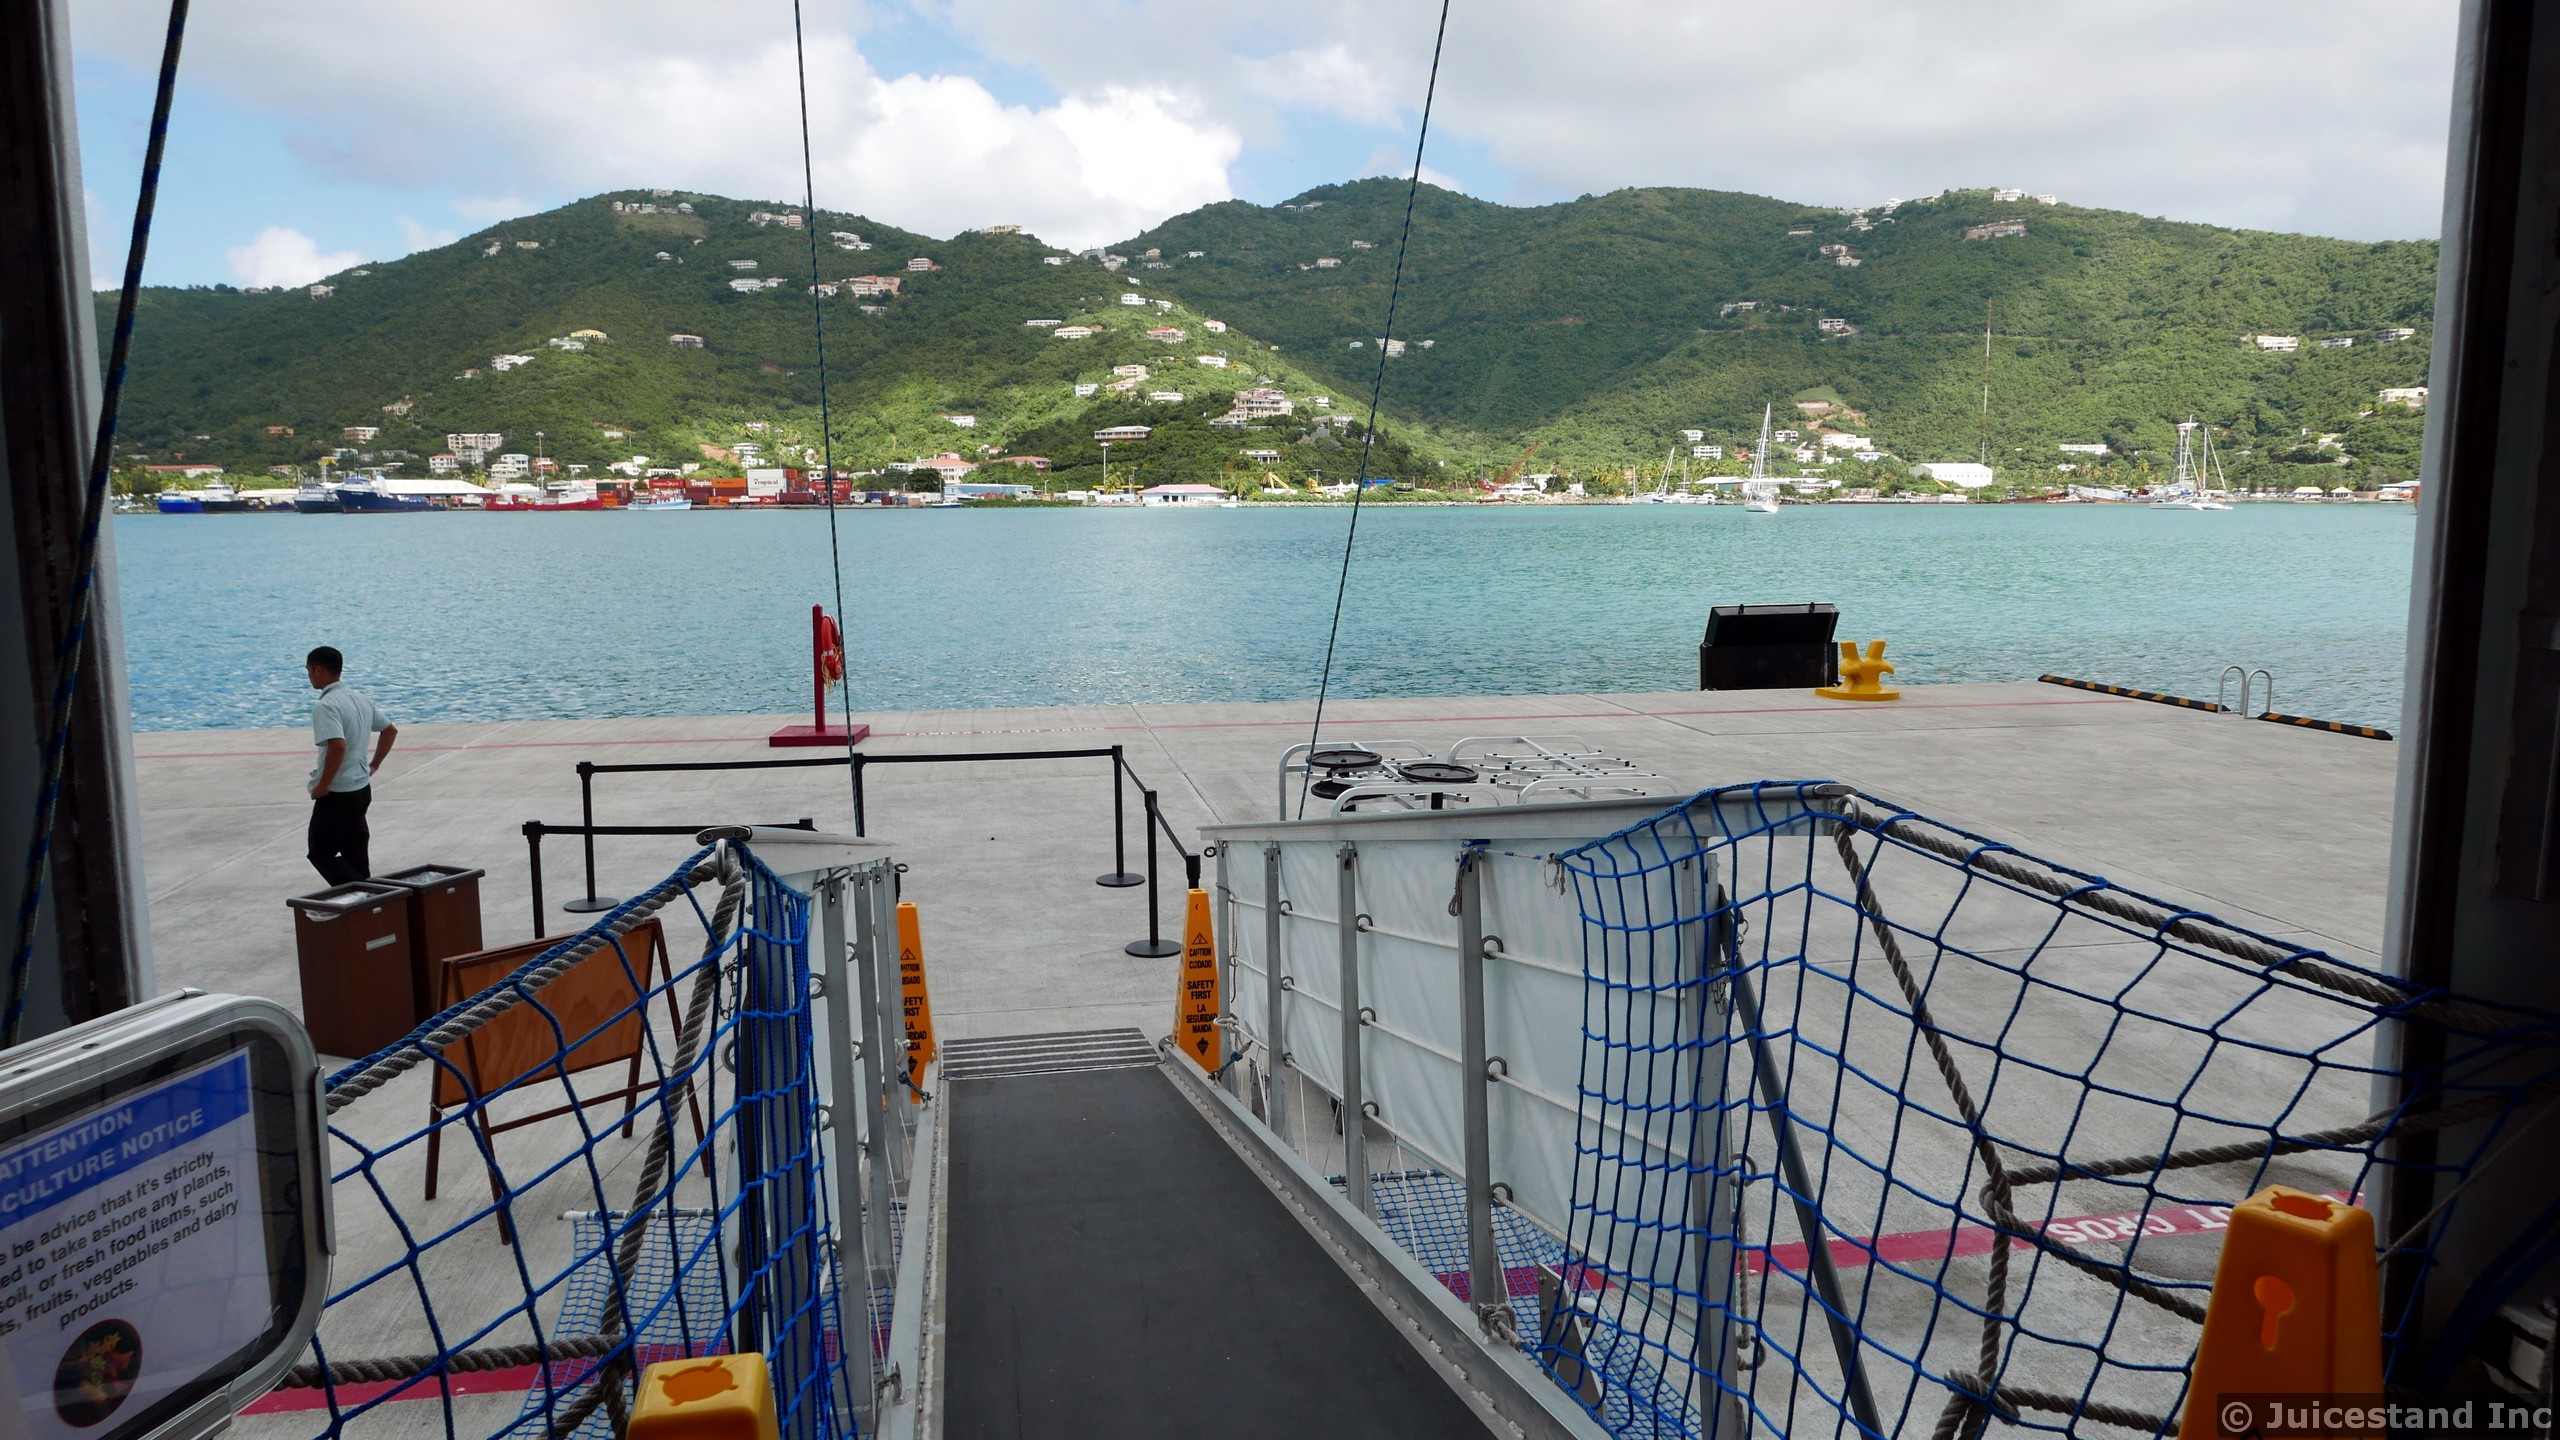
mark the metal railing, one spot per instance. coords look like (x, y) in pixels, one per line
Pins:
(1155, 945)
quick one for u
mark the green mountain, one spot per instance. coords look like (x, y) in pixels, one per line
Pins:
(418, 348)
(1598, 329)
(1605, 325)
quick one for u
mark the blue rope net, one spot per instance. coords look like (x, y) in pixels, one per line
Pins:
(1889, 1128)
(647, 1121)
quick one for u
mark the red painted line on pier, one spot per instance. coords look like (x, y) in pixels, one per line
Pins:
(444, 749)
(1171, 725)
(1922, 1246)
(514, 1380)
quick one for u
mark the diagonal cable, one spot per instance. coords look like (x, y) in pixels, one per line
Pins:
(826, 415)
(1377, 388)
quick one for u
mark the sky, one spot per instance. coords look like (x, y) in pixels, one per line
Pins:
(310, 137)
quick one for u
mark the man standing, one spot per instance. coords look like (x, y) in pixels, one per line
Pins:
(342, 783)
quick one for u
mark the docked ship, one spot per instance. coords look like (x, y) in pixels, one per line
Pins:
(214, 499)
(382, 494)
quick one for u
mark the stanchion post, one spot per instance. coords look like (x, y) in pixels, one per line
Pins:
(861, 818)
(1155, 946)
(1119, 878)
(844, 1122)
(1355, 1114)
(591, 902)
(533, 844)
(1488, 1293)
(879, 1147)
(1275, 1013)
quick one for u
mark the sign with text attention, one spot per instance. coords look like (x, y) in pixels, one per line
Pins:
(132, 1259)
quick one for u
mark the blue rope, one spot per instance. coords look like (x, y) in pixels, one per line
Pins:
(92, 521)
(1377, 387)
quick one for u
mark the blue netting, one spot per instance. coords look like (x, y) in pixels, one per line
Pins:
(672, 1202)
(1887, 1127)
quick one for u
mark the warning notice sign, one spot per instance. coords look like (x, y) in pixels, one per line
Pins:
(133, 1255)
(1195, 1023)
(918, 1004)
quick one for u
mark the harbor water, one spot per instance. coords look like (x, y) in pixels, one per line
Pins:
(465, 616)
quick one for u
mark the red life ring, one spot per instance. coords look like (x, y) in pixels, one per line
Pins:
(830, 649)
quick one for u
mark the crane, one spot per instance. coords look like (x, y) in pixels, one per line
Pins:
(1507, 476)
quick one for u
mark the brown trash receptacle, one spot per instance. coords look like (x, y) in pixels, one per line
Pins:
(444, 920)
(352, 943)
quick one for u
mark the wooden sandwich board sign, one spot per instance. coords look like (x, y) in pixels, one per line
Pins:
(1196, 1012)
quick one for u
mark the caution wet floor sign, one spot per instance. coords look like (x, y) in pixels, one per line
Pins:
(1196, 1013)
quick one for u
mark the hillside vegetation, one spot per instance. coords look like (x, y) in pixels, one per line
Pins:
(1599, 329)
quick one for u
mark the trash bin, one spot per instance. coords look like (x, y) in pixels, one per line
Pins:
(1769, 647)
(444, 919)
(352, 944)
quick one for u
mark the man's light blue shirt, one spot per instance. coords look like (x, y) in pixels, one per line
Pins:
(341, 714)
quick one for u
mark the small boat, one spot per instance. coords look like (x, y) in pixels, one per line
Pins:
(180, 502)
(2193, 487)
(1760, 493)
(661, 505)
(315, 497)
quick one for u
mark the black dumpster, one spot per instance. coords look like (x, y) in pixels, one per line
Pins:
(1769, 647)
(352, 943)
(444, 919)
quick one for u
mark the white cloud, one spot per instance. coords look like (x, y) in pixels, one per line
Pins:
(2325, 115)
(488, 209)
(1396, 163)
(282, 255)
(575, 98)
(2320, 115)
(415, 237)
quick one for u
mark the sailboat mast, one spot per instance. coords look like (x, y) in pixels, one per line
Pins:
(1986, 382)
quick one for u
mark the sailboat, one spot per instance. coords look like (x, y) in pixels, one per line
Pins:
(2199, 483)
(1760, 493)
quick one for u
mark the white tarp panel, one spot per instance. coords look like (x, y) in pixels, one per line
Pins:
(1537, 1004)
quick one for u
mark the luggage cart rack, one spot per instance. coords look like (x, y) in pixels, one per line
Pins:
(1480, 770)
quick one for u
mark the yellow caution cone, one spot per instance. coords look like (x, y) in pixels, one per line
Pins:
(717, 1397)
(919, 1005)
(2296, 1310)
(1195, 1025)
(1861, 679)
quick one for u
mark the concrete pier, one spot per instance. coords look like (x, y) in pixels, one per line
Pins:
(2281, 830)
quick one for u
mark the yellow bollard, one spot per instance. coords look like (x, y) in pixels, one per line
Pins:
(1195, 1025)
(1861, 679)
(718, 1397)
(919, 1005)
(2296, 1309)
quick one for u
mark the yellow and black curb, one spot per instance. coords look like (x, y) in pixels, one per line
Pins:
(2332, 726)
(2182, 702)
(2154, 696)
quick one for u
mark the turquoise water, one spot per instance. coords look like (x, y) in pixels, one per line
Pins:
(516, 617)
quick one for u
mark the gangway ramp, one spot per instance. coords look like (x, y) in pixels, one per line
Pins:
(1115, 1269)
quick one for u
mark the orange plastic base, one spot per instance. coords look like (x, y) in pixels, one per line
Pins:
(718, 1397)
(2296, 1308)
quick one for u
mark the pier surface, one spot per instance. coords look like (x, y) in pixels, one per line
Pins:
(2281, 830)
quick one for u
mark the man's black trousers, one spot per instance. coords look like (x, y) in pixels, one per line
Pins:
(341, 843)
